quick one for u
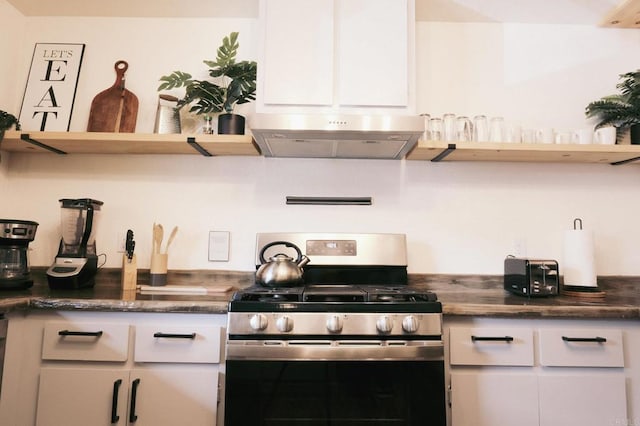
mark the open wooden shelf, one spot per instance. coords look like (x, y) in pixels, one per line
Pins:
(128, 143)
(625, 15)
(510, 152)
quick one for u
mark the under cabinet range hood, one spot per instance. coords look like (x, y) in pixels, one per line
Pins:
(336, 136)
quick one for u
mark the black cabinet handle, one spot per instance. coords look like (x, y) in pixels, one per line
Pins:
(175, 336)
(114, 401)
(585, 339)
(80, 333)
(132, 408)
(507, 339)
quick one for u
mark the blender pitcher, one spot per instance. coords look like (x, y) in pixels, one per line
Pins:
(76, 262)
(79, 220)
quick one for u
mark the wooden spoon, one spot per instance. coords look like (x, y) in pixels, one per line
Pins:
(171, 237)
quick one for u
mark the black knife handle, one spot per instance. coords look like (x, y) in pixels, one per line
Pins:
(507, 339)
(596, 339)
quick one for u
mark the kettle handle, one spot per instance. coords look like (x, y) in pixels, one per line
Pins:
(277, 243)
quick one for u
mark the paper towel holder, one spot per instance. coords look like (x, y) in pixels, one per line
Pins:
(577, 221)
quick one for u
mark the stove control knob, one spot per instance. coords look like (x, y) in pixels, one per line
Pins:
(258, 322)
(384, 324)
(284, 324)
(410, 324)
(334, 324)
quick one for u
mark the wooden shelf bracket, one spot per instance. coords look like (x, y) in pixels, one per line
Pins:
(25, 137)
(195, 145)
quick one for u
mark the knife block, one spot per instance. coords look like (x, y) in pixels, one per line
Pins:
(129, 273)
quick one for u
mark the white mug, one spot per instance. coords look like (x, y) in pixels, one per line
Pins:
(605, 135)
(545, 135)
(582, 136)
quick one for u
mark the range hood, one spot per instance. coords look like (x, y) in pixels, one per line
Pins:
(336, 135)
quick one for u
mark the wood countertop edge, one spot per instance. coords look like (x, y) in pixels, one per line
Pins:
(220, 307)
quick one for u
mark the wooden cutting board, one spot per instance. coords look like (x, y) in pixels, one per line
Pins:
(116, 108)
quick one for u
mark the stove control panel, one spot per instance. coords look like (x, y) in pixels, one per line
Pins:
(331, 248)
(334, 323)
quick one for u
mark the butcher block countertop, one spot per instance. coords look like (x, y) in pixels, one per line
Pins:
(461, 295)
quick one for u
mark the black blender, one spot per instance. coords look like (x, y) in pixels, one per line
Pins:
(15, 236)
(76, 263)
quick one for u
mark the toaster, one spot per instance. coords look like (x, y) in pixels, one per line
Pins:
(531, 277)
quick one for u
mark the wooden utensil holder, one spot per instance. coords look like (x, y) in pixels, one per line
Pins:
(158, 270)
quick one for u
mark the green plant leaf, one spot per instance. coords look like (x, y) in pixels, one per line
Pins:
(175, 79)
(232, 83)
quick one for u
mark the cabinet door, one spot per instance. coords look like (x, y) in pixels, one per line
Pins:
(298, 48)
(585, 400)
(169, 396)
(480, 398)
(373, 52)
(82, 396)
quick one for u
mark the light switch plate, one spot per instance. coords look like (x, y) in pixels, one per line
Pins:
(219, 246)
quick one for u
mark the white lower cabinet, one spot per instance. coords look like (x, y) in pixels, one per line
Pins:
(144, 396)
(482, 398)
(93, 369)
(583, 400)
(537, 373)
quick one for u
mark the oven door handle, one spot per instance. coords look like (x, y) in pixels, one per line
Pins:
(332, 350)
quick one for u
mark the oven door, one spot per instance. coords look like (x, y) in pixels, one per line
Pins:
(335, 383)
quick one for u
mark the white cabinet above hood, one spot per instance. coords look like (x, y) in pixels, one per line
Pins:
(336, 136)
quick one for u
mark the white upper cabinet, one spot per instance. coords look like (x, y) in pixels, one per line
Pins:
(298, 52)
(344, 55)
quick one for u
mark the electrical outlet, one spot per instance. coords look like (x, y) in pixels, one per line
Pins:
(120, 243)
(219, 246)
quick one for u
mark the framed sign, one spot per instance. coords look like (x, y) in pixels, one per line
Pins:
(51, 87)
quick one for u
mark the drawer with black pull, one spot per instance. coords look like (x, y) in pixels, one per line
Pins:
(491, 346)
(585, 347)
(178, 343)
(85, 341)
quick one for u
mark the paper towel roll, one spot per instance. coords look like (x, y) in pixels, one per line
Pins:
(579, 259)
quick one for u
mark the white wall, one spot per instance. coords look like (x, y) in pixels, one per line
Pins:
(459, 217)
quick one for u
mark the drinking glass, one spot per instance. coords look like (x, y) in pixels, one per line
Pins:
(426, 118)
(464, 129)
(449, 124)
(496, 129)
(435, 129)
(480, 128)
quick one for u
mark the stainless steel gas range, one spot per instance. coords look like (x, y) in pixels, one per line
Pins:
(350, 345)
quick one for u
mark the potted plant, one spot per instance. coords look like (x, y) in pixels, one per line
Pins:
(6, 122)
(620, 110)
(231, 83)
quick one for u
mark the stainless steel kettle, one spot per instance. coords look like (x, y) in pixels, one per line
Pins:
(281, 270)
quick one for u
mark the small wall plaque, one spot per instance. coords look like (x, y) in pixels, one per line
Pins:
(51, 87)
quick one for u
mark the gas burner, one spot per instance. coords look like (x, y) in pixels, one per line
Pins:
(399, 295)
(269, 295)
(333, 293)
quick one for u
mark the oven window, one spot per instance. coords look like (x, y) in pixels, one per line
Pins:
(337, 393)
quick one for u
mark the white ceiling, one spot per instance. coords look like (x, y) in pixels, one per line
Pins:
(587, 12)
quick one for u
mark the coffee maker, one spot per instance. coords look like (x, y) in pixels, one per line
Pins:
(15, 236)
(76, 263)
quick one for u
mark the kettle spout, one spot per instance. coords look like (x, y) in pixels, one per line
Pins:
(303, 261)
